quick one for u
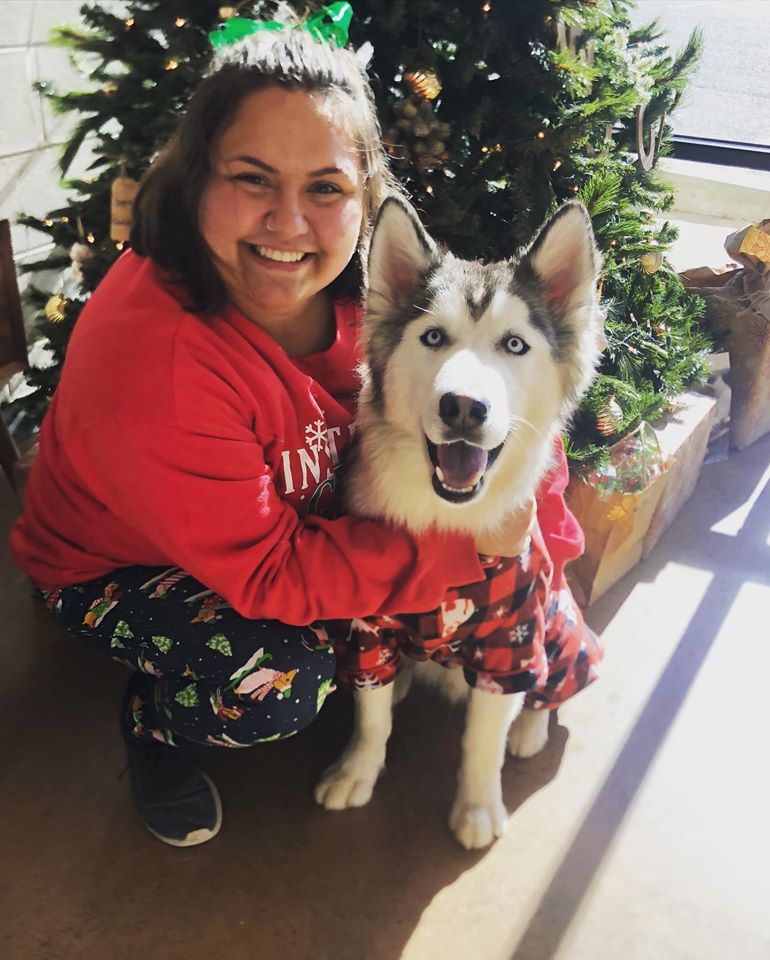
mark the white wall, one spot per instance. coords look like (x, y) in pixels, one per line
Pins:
(31, 135)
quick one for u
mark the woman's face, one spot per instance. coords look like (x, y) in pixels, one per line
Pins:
(283, 209)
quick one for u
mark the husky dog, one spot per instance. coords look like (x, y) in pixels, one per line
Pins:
(470, 372)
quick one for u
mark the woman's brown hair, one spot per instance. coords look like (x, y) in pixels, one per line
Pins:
(166, 210)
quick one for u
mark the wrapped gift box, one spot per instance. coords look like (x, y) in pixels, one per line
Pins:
(623, 522)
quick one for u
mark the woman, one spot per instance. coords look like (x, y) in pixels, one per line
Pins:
(175, 518)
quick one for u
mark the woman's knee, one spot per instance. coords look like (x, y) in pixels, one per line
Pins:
(270, 698)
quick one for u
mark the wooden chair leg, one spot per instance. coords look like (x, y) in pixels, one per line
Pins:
(9, 453)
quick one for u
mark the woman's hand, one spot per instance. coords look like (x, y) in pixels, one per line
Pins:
(510, 538)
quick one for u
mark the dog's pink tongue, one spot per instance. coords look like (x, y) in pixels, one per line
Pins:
(461, 464)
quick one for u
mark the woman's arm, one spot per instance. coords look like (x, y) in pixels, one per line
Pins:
(209, 504)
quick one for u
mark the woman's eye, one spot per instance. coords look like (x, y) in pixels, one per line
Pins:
(434, 337)
(253, 179)
(325, 189)
(516, 346)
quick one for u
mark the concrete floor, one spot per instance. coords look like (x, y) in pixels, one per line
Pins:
(639, 834)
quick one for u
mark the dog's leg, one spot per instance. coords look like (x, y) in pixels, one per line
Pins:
(529, 733)
(350, 781)
(478, 814)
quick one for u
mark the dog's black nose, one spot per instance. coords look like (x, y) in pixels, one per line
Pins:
(459, 411)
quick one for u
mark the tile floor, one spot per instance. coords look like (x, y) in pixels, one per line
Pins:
(641, 832)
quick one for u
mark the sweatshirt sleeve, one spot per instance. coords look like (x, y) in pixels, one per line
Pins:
(210, 505)
(561, 531)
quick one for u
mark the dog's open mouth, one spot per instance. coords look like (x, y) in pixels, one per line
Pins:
(459, 469)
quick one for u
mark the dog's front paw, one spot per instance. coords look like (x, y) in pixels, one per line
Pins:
(476, 825)
(346, 783)
(528, 734)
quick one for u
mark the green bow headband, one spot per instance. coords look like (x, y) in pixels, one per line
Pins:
(329, 24)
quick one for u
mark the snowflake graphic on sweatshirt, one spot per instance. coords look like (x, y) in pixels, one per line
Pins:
(316, 437)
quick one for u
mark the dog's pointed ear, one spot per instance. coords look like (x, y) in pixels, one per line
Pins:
(400, 253)
(564, 259)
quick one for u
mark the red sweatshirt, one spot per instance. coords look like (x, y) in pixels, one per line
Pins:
(173, 440)
(177, 441)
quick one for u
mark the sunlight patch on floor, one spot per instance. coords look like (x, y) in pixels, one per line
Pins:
(733, 523)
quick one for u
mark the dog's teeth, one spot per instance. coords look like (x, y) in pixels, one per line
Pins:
(440, 474)
(457, 489)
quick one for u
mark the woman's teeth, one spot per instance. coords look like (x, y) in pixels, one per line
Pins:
(283, 256)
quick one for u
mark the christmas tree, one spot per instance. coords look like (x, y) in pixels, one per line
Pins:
(496, 112)
(493, 112)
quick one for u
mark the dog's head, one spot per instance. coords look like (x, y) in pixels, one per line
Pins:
(466, 357)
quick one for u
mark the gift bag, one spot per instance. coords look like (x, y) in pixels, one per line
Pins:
(614, 505)
(738, 307)
(625, 507)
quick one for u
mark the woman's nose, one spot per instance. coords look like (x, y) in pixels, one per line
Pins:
(285, 217)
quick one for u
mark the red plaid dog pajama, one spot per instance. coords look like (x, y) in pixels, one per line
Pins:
(515, 631)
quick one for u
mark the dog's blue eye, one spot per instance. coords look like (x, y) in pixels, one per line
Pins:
(516, 346)
(433, 337)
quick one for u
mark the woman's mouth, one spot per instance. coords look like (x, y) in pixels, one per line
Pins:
(282, 259)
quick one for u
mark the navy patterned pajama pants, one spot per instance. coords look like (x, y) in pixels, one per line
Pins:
(205, 674)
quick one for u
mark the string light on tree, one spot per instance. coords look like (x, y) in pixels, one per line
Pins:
(226, 12)
(129, 23)
(172, 64)
(180, 21)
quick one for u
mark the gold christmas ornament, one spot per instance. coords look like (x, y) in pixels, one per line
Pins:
(660, 330)
(425, 83)
(110, 87)
(609, 417)
(652, 261)
(56, 309)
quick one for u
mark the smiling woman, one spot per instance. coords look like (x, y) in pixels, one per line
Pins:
(226, 137)
(183, 514)
(280, 232)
